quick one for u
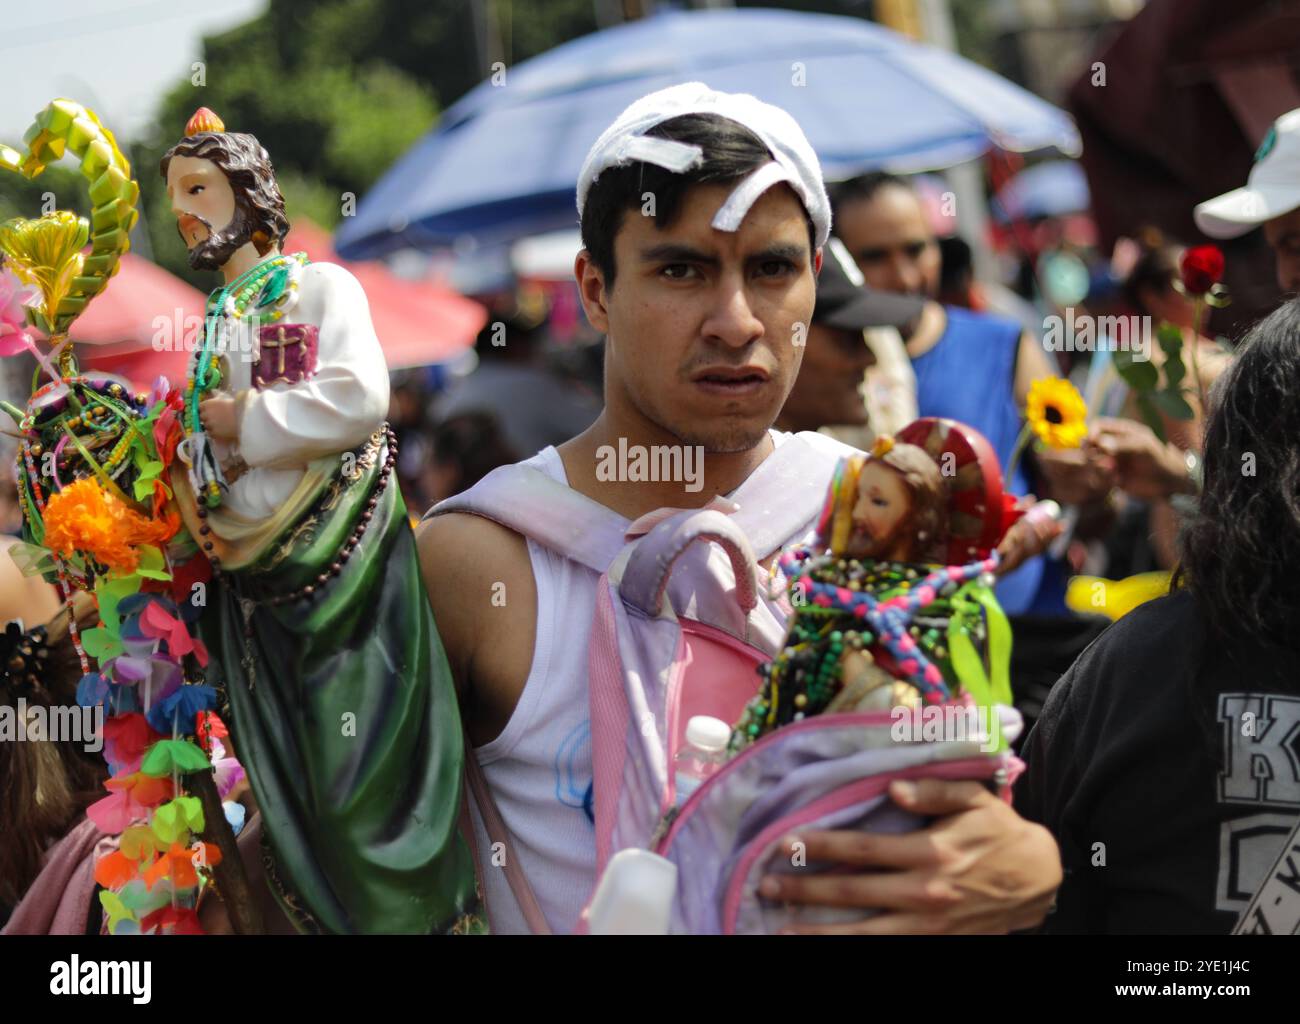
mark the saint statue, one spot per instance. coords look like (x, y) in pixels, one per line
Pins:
(341, 703)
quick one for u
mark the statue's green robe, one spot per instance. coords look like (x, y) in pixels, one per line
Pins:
(344, 716)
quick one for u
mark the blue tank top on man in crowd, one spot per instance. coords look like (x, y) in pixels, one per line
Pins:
(969, 376)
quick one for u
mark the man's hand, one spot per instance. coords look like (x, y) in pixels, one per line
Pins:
(1145, 467)
(1075, 476)
(1030, 535)
(220, 417)
(979, 868)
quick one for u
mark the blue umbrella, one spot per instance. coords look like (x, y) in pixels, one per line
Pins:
(1050, 189)
(504, 161)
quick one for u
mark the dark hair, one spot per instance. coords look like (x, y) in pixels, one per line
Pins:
(864, 187)
(730, 152)
(1241, 549)
(474, 444)
(956, 267)
(247, 167)
(47, 784)
(1156, 268)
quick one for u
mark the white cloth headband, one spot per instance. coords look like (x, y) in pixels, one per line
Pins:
(793, 160)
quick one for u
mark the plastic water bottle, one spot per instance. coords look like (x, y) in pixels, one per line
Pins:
(705, 750)
(635, 895)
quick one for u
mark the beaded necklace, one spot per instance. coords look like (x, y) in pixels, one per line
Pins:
(230, 303)
(846, 603)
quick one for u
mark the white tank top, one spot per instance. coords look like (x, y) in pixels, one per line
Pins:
(539, 768)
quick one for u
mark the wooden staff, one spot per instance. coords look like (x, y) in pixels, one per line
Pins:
(232, 880)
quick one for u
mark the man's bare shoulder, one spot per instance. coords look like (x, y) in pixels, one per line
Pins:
(479, 579)
(469, 561)
(468, 543)
(469, 564)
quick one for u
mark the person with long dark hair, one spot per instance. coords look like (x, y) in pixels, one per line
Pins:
(1165, 761)
(46, 782)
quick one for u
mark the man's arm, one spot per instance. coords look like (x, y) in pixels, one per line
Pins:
(1032, 363)
(480, 585)
(28, 598)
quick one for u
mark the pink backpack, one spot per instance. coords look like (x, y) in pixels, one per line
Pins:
(679, 630)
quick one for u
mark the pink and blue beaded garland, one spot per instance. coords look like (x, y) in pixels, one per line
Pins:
(889, 618)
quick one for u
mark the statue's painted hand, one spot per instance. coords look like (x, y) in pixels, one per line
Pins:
(220, 417)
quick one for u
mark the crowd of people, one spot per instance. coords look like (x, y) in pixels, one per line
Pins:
(1161, 779)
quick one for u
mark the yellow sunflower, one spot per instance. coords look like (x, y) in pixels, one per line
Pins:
(1057, 413)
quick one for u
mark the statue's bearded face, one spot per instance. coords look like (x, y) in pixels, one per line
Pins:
(208, 216)
(880, 514)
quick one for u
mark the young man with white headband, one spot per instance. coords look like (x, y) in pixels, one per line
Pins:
(703, 218)
(1270, 197)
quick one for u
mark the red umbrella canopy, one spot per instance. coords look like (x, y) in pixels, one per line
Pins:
(418, 322)
(141, 325)
(145, 323)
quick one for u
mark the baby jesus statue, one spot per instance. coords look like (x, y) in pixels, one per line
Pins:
(898, 509)
(893, 605)
(322, 642)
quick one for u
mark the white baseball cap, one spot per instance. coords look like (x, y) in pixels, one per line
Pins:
(793, 160)
(1272, 189)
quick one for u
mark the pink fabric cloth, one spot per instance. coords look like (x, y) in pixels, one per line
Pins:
(58, 902)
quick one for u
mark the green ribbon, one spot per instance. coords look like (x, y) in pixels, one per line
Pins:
(988, 689)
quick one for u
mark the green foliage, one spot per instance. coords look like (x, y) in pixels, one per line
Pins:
(1159, 393)
(338, 90)
(1170, 340)
(309, 199)
(20, 197)
(1139, 374)
(331, 123)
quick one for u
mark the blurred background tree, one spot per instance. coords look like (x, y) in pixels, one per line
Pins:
(22, 198)
(337, 90)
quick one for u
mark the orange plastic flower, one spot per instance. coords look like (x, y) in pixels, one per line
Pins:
(84, 517)
(114, 870)
(143, 789)
(179, 864)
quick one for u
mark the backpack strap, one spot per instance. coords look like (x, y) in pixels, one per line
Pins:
(526, 500)
(787, 491)
(645, 577)
(495, 826)
(785, 494)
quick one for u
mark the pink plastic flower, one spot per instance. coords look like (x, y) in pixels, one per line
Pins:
(14, 336)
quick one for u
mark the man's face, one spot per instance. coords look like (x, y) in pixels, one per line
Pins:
(891, 242)
(1283, 234)
(700, 323)
(204, 206)
(828, 389)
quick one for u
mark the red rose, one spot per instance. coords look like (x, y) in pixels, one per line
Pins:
(1201, 268)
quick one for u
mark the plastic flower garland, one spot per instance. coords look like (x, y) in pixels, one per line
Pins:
(98, 517)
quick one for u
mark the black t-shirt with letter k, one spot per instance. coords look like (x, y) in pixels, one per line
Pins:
(1167, 765)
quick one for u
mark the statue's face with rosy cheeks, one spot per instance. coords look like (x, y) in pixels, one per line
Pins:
(880, 514)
